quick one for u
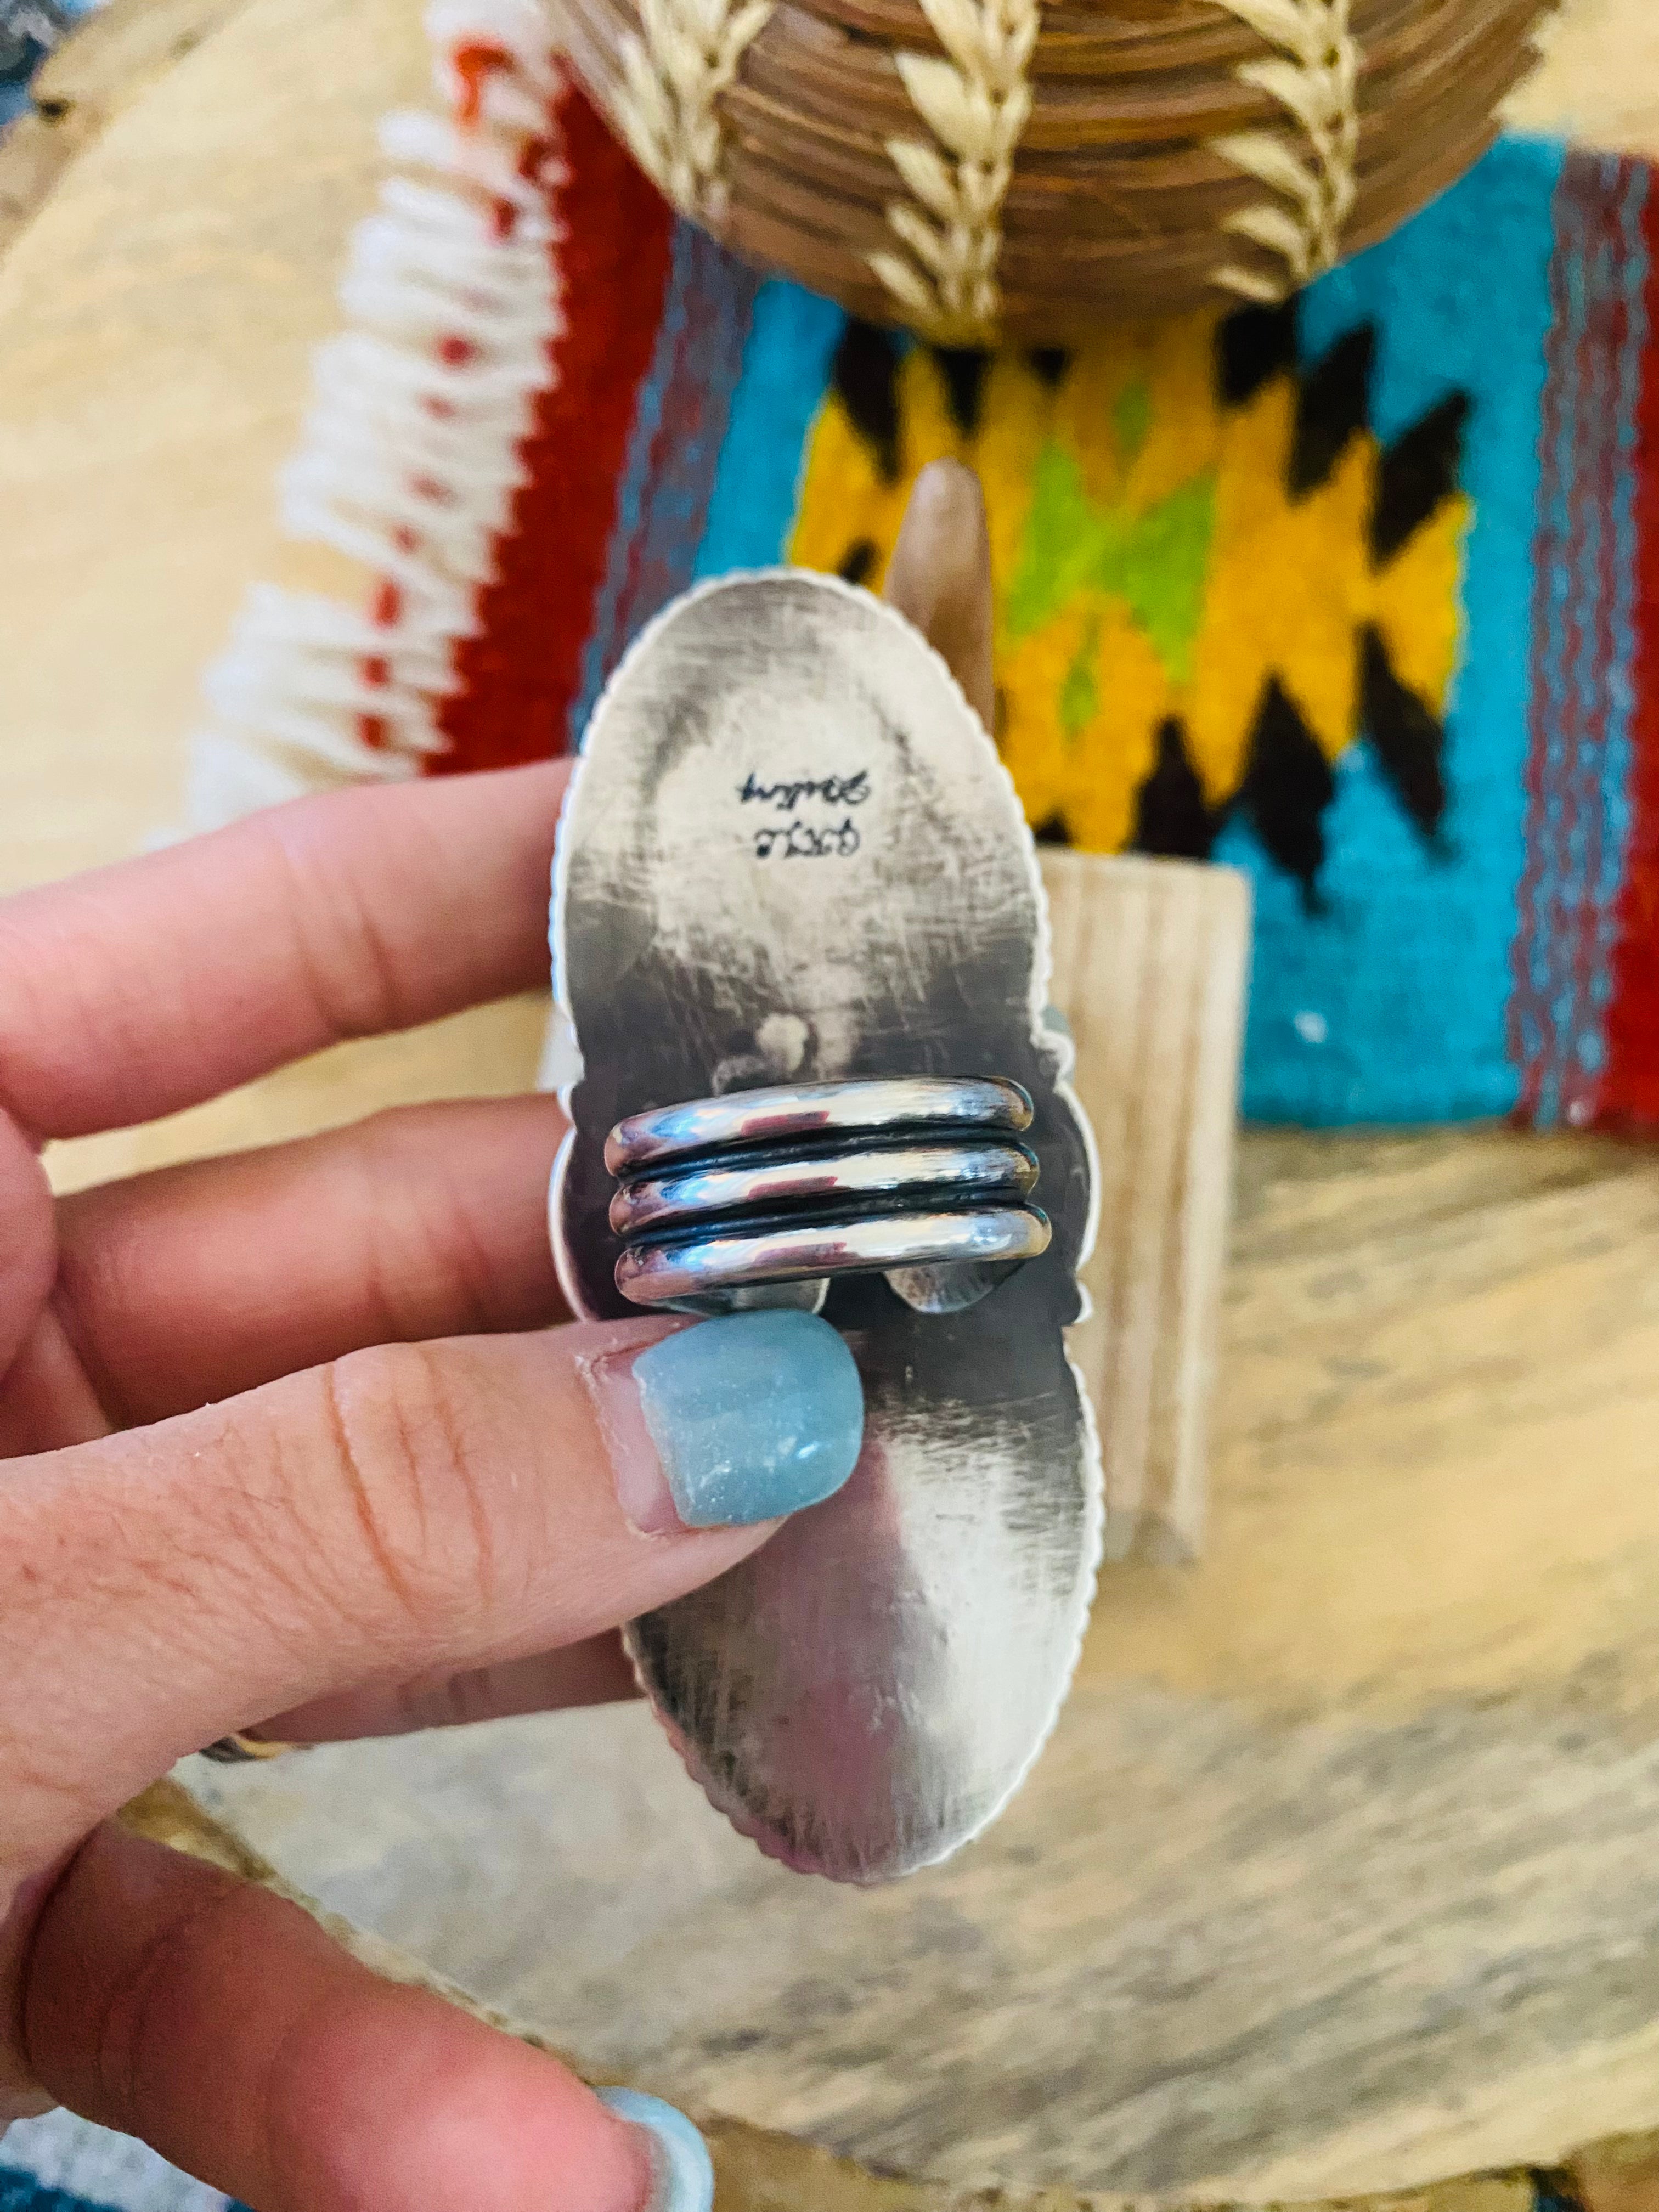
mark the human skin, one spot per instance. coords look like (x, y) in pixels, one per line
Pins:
(289, 1442)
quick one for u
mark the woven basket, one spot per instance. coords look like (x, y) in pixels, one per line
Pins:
(975, 167)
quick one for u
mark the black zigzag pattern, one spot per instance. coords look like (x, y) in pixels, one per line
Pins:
(1172, 817)
(1421, 471)
(865, 378)
(1288, 786)
(1332, 406)
(964, 369)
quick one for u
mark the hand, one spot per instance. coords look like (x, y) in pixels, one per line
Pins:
(285, 1442)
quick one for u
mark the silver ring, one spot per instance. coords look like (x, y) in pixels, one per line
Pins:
(892, 1105)
(922, 1179)
(693, 1267)
(772, 1180)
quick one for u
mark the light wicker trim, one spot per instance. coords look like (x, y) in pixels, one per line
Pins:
(674, 70)
(976, 101)
(1315, 75)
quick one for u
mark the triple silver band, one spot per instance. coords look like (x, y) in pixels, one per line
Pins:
(722, 1201)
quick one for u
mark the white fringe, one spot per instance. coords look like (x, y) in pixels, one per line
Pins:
(411, 448)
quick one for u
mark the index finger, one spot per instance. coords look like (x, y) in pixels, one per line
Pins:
(407, 1511)
(161, 981)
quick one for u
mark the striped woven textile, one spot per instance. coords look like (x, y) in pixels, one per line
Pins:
(1584, 1032)
(1358, 595)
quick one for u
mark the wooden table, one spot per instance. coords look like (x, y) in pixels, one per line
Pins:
(1341, 1870)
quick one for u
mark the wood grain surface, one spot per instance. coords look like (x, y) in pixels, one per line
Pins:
(763, 2170)
(1152, 958)
(1340, 1872)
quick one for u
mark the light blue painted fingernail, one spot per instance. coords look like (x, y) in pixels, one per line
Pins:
(753, 1417)
(680, 2156)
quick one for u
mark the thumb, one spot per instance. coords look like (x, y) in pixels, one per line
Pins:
(221, 2025)
(405, 1510)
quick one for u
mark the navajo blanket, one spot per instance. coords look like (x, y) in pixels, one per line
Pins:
(1360, 595)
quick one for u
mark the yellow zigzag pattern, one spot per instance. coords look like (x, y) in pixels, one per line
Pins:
(1199, 578)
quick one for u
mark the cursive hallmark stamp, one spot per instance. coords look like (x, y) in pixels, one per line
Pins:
(799, 838)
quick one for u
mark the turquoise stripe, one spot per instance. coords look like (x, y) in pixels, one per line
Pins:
(786, 366)
(1408, 968)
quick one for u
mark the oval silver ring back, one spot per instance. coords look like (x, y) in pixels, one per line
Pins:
(866, 1692)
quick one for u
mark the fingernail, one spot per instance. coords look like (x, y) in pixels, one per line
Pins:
(682, 2170)
(730, 1422)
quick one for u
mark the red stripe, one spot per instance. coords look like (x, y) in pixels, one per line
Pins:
(1529, 1020)
(1630, 1087)
(520, 675)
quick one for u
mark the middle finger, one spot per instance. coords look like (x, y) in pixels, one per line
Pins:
(192, 1284)
(598, 1672)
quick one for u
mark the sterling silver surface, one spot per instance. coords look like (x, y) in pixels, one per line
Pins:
(865, 1693)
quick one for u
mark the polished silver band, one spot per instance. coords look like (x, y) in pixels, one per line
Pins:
(772, 1182)
(724, 1200)
(891, 1105)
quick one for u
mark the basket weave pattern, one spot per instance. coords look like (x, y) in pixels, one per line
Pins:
(1029, 167)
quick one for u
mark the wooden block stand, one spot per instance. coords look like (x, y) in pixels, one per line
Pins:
(1151, 964)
